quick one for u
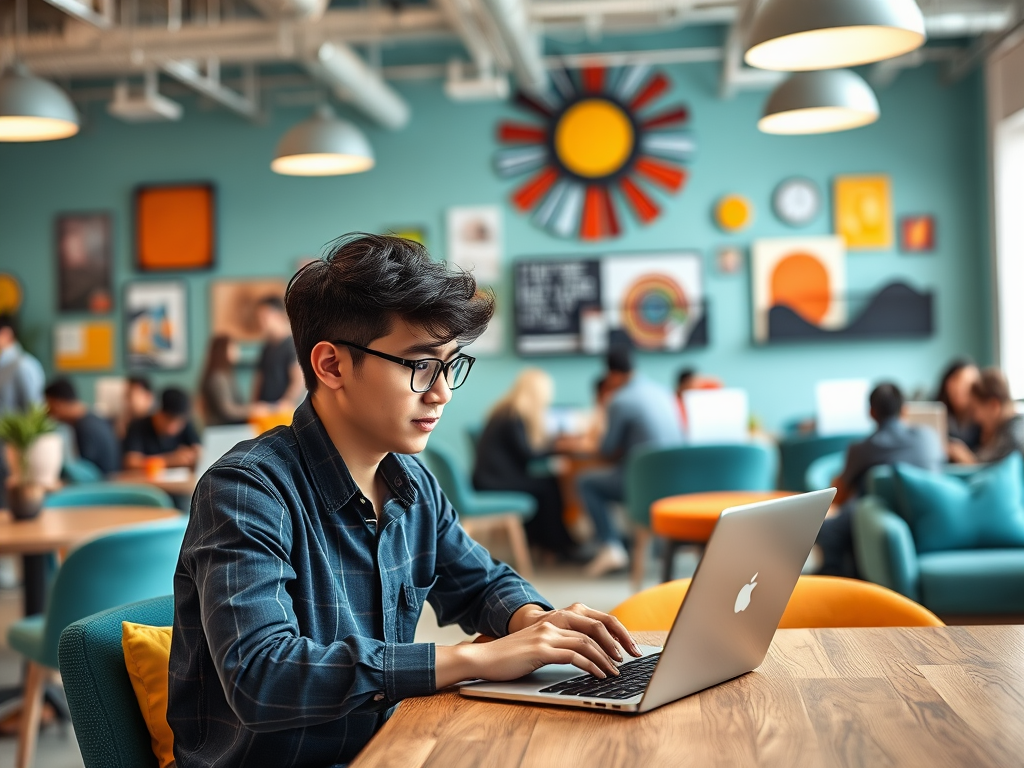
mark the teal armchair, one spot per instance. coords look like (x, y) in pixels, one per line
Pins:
(480, 511)
(104, 494)
(798, 452)
(108, 724)
(954, 582)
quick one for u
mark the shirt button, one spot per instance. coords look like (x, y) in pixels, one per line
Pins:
(362, 500)
(379, 697)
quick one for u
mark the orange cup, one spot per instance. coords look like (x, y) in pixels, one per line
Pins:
(153, 467)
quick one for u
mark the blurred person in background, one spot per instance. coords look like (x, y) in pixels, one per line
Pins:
(687, 380)
(139, 402)
(21, 383)
(94, 436)
(515, 437)
(955, 393)
(168, 434)
(1001, 428)
(219, 397)
(278, 380)
(640, 413)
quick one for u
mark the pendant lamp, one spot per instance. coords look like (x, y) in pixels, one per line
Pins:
(800, 35)
(819, 102)
(33, 109)
(323, 145)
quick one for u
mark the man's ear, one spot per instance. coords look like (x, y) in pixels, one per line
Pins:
(332, 365)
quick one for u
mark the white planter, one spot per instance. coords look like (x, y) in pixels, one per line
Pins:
(45, 459)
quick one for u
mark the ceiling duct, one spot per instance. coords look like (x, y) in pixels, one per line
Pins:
(305, 10)
(513, 23)
(353, 81)
(148, 107)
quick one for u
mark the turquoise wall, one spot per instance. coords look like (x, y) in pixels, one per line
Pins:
(929, 139)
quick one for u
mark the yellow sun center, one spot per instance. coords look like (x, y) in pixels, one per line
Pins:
(594, 138)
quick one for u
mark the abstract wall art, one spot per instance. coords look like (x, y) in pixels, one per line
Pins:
(175, 227)
(84, 263)
(597, 139)
(733, 213)
(475, 241)
(83, 346)
(156, 334)
(233, 306)
(863, 211)
(917, 234)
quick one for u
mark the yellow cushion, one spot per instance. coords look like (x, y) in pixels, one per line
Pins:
(147, 653)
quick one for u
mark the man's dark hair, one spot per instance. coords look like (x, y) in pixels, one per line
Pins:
(992, 386)
(7, 321)
(886, 402)
(620, 359)
(175, 402)
(140, 381)
(366, 282)
(61, 389)
(685, 376)
(274, 302)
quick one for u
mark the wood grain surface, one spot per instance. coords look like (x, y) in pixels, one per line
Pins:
(935, 697)
(62, 528)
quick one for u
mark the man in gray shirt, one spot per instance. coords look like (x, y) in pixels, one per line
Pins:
(893, 442)
(21, 382)
(640, 413)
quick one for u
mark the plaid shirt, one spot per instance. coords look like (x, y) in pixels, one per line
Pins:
(295, 609)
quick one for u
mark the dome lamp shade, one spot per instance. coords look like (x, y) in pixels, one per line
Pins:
(323, 145)
(33, 109)
(819, 102)
(802, 35)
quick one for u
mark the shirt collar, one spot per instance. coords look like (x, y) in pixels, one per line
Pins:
(330, 474)
(11, 353)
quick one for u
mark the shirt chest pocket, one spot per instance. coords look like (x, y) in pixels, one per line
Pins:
(410, 605)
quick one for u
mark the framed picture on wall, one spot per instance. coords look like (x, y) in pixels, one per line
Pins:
(175, 227)
(84, 253)
(156, 324)
(917, 233)
(233, 305)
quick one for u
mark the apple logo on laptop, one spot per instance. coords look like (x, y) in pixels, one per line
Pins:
(743, 598)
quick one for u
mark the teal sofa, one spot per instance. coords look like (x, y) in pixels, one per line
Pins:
(952, 581)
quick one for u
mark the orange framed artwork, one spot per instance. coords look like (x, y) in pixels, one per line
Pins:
(175, 227)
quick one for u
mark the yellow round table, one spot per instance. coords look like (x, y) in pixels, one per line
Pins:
(691, 517)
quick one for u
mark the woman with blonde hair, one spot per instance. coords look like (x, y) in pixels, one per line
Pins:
(514, 437)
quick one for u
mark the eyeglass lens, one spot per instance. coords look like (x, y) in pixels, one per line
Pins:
(426, 372)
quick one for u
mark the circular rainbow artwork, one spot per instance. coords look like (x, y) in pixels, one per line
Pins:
(655, 312)
(595, 145)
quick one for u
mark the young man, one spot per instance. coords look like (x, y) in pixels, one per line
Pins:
(94, 436)
(139, 402)
(168, 433)
(21, 383)
(311, 550)
(640, 413)
(278, 380)
(1001, 428)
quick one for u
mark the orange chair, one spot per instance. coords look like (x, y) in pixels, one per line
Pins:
(817, 601)
(267, 422)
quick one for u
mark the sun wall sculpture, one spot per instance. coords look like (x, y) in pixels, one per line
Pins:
(600, 140)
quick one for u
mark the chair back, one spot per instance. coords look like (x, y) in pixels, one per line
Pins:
(654, 473)
(109, 495)
(796, 454)
(817, 601)
(108, 724)
(823, 470)
(80, 471)
(449, 476)
(125, 566)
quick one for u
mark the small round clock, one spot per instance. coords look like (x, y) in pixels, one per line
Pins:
(796, 201)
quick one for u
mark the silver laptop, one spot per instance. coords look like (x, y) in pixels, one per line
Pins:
(219, 440)
(724, 626)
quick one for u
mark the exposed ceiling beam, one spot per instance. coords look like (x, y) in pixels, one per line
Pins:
(353, 81)
(209, 85)
(735, 75)
(460, 16)
(522, 41)
(83, 12)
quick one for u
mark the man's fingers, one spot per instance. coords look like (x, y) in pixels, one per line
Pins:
(597, 630)
(565, 656)
(615, 628)
(587, 646)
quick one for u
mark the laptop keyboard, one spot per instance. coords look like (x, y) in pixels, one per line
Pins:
(632, 680)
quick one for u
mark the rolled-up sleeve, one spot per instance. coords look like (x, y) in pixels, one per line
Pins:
(237, 555)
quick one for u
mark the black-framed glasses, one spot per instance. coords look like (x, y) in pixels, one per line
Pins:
(425, 370)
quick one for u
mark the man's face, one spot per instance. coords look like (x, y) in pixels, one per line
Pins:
(168, 425)
(272, 321)
(986, 413)
(140, 401)
(378, 402)
(58, 409)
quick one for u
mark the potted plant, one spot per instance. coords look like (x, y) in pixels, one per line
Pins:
(35, 452)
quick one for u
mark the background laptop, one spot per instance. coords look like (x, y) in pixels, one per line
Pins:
(723, 628)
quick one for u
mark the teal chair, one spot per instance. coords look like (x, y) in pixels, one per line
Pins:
(108, 724)
(109, 495)
(484, 511)
(121, 567)
(797, 452)
(950, 582)
(823, 471)
(654, 473)
(80, 471)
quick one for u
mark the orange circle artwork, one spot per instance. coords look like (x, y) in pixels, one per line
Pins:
(801, 282)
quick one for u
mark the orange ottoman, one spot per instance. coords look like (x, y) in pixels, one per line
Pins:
(692, 516)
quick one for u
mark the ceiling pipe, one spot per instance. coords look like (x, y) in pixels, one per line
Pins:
(209, 85)
(353, 81)
(512, 21)
(460, 16)
(310, 10)
(83, 12)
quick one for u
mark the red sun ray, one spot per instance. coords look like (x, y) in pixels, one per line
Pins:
(594, 223)
(670, 117)
(613, 220)
(663, 174)
(643, 206)
(528, 102)
(593, 79)
(529, 193)
(520, 133)
(656, 86)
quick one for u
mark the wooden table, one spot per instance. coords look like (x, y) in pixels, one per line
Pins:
(691, 517)
(928, 697)
(173, 487)
(63, 528)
